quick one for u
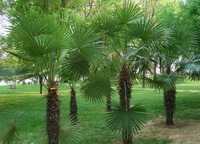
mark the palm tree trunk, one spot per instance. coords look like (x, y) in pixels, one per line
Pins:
(161, 65)
(53, 114)
(73, 106)
(154, 70)
(170, 99)
(40, 81)
(108, 102)
(124, 87)
(127, 140)
(170, 102)
(143, 79)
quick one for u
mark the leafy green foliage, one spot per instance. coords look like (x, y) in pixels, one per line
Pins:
(69, 134)
(96, 87)
(125, 121)
(127, 14)
(9, 133)
(37, 35)
(151, 34)
(85, 41)
(75, 67)
(193, 64)
(192, 67)
(107, 24)
(165, 81)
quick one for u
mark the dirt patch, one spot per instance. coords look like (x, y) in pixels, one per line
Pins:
(183, 131)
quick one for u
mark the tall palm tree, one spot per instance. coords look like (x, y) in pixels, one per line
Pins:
(127, 35)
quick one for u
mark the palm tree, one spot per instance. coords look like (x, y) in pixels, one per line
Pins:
(40, 42)
(128, 35)
(84, 53)
(43, 42)
(182, 39)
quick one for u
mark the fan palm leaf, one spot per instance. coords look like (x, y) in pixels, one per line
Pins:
(9, 133)
(85, 41)
(37, 36)
(125, 121)
(127, 14)
(96, 87)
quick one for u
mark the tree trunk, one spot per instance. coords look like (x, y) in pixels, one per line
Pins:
(108, 102)
(127, 140)
(41, 82)
(161, 65)
(143, 79)
(53, 114)
(62, 5)
(73, 106)
(170, 99)
(154, 70)
(124, 87)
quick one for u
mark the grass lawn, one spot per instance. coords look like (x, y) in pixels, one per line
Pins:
(92, 127)
(183, 85)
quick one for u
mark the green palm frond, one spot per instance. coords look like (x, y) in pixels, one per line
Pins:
(193, 64)
(69, 134)
(181, 40)
(85, 41)
(96, 87)
(36, 35)
(192, 67)
(75, 67)
(149, 34)
(33, 24)
(106, 24)
(125, 121)
(165, 81)
(9, 133)
(127, 14)
(194, 75)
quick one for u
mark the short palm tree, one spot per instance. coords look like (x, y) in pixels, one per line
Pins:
(182, 39)
(127, 35)
(83, 54)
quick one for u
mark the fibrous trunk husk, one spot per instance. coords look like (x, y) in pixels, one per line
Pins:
(170, 99)
(124, 87)
(53, 114)
(41, 82)
(127, 140)
(108, 103)
(73, 106)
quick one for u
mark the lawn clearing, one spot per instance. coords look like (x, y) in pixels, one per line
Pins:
(92, 125)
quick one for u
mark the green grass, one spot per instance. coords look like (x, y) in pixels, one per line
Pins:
(92, 127)
(183, 85)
